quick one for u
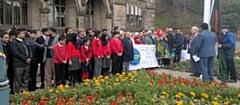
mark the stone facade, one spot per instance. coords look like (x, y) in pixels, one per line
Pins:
(38, 19)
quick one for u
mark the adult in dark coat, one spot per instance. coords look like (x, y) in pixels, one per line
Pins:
(128, 53)
(40, 52)
(228, 44)
(170, 43)
(178, 44)
(30, 40)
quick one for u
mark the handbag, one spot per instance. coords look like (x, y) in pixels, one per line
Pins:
(173, 53)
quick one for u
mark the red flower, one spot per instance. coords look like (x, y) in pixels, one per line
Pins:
(46, 99)
(90, 98)
(59, 102)
(42, 102)
(32, 97)
(24, 101)
(28, 104)
(70, 103)
(121, 95)
(114, 103)
(148, 71)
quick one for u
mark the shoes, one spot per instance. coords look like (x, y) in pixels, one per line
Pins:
(231, 81)
(195, 75)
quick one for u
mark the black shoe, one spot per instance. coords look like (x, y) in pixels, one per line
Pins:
(195, 75)
(231, 81)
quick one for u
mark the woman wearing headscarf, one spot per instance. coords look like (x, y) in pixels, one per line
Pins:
(162, 51)
(137, 40)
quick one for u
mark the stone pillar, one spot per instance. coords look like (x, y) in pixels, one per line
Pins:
(81, 20)
(44, 10)
(71, 14)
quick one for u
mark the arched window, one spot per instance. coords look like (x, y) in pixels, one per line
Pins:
(14, 12)
(134, 16)
(57, 13)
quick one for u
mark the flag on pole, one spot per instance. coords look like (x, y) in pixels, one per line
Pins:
(216, 19)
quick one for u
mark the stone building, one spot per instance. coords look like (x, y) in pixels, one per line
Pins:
(97, 14)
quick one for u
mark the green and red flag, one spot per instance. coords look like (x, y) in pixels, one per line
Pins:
(217, 20)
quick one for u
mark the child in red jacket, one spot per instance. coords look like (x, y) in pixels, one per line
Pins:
(60, 59)
(106, 55)
(86, 55)
(97, 53)
(74, 59)
(117, 50)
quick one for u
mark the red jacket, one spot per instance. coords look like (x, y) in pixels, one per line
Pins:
(97, 48)
(116, 46)
(60, 53)
(86, 53)
(73, 51)
(107, 50)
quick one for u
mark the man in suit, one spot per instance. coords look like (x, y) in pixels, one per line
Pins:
(205, 49)
(40, 52)
(48, 56)
(178, 44)
(21, 62)
(191, 50)
(149, 40)
(128, 53)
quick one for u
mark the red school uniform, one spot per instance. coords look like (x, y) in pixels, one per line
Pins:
(73, 51)
(86, 52)
(60, 53)
(116, 46)
(107, 50)
(97, 48)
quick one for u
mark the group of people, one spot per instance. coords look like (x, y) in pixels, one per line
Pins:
(81, 55)
(202, 45)
(73, 56)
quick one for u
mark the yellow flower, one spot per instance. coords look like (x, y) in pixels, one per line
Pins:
(25, 92)
(96, 81)
(135, 72)
(181, 94)
(153, 100)
(123, 73)
(74, 89)
(117, 80)
(63, 90)
(66, 86)
(118, 74)
(193, 94)
(98, 84)
(87, 80)
(56, 91)
(177, 96)
(238, 95)
(50, 90)
(102, 80)
(115, 83)
(129, 74)
(216, 103)
(85, 84)
(226, 103)
(179, 102)
(123, 80)
(106, 77)
(100, 76)
(162, 97)
(164, 93)
(191, 103)
(216, 98)
(205, 95)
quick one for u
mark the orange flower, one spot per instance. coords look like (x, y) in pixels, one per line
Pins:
(121, 95)
(32, 97)
(70, 102)
(132, 101)
(24, 101)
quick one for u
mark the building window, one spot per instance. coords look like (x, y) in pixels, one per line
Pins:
(134, 17)
(57, 14)
(89, 17)
(14, 12)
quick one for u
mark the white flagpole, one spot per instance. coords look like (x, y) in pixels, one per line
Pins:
(207, 11)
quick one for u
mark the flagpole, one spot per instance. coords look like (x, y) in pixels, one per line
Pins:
(207, 11)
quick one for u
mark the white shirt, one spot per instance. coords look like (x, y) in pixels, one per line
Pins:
(20, 39)
(86, 47)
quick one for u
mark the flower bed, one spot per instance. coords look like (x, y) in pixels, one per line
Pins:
(186, 66)
(140, 88)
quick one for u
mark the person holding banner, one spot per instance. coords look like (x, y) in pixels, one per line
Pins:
(128, 53)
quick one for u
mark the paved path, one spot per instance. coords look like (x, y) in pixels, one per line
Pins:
(187, 75)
